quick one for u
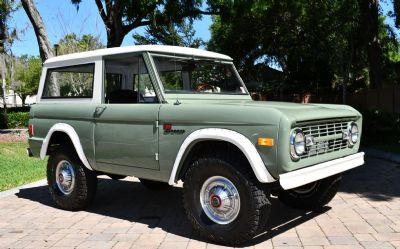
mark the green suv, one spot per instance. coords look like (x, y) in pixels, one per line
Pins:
(164, 114)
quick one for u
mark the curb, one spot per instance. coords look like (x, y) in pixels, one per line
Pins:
(16, 190)
(8, 131)
(393, 157)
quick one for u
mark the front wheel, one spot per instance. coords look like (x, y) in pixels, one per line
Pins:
(312, 196)
(223, 203)
(71, 185)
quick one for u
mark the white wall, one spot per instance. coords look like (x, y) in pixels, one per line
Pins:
(14, 100)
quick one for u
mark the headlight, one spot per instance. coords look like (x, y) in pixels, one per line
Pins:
(353, 133)
(297, 143)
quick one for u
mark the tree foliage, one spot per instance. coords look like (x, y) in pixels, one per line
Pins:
(71, 43)
(180, 34)
(122, 16)
(319, 45)
(7, 33)
(28, 70)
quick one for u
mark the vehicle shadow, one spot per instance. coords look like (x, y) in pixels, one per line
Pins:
(132, 202)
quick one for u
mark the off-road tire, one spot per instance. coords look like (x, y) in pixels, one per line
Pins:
(321, 194)
(154, 185)
(85, 181)
(254, 204)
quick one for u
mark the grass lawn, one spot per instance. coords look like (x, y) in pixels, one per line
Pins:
(16, 168)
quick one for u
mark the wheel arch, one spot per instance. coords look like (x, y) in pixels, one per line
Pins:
(234, 138)
(69, 131)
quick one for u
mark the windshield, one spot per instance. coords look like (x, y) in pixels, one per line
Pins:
(188, 75)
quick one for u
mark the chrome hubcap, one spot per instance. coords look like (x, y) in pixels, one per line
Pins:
(220, 200)
(65, 177)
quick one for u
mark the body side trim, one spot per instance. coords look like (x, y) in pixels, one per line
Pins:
(230, 136)
(313, 173)
(70, 131)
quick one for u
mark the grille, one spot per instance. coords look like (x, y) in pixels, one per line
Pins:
(328, 137)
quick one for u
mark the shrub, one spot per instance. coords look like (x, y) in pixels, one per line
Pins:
(380, 127)
(18, 120)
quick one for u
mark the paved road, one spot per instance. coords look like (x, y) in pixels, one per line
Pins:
(365, 214)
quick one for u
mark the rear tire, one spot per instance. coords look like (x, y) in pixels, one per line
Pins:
(72, 186)
(224, 204)
(312, 196)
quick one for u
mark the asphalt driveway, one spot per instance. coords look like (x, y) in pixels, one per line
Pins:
(365, 214)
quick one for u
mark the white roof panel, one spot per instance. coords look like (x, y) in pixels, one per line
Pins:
(138, 48)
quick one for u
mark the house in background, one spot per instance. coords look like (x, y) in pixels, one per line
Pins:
(13, 100)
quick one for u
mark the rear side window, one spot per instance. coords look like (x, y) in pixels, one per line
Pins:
(69, 82)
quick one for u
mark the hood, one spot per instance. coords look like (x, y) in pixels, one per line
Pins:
(302, 112)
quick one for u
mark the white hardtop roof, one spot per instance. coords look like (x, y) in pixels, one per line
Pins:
(138, 48)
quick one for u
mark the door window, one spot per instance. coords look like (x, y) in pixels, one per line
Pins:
(127, 81)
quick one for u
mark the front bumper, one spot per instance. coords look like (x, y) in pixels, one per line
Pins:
(316, 172)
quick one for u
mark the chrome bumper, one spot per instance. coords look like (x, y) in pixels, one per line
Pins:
(316, 172)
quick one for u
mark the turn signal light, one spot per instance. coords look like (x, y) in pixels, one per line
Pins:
(30, 130)
(264, 141)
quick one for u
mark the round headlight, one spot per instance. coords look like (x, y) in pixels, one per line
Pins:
(297, 143)
(353, 133)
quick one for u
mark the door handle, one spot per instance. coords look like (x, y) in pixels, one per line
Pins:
(98, 111)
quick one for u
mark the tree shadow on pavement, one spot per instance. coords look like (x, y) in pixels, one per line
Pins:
(130, 201)
(377, 180)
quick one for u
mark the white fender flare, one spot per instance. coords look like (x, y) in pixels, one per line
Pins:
(70, 131)
(233, 137)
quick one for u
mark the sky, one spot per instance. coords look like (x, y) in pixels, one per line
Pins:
(61, 18)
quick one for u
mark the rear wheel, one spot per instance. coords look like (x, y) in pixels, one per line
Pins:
(312, 196)
(223, 203)
(72, 186)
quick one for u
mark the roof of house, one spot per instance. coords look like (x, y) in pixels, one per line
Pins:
(138, 48)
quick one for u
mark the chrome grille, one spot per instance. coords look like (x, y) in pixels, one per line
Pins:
(328, 136)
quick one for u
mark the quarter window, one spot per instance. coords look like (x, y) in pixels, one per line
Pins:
(69, 82)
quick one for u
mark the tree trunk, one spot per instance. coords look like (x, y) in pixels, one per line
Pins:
(23, 99)
(45, 48)
(115, 36)
(370, 11)
(3, 76)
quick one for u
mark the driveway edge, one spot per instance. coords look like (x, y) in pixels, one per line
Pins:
(15, 190)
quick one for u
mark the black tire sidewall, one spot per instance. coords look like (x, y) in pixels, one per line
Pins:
(321, 195)
(84, 186)
(199, 174)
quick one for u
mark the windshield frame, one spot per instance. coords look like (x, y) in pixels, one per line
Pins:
(197, 58)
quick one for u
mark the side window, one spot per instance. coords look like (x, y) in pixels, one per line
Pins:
(69, 82)
(127, 81)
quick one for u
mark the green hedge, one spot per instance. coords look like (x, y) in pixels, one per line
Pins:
(380, 127)
(18, 120)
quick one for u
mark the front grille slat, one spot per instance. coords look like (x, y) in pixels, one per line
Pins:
(325, 129)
